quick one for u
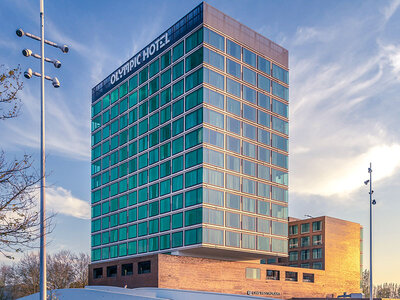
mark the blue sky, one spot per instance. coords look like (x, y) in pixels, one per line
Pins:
(344, 95)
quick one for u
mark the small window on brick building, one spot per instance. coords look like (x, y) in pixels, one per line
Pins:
(253, 273)
(97, 273)
(144, 267)
(291, 276)
(308, 277)
(127, 269)
(273, 275)
(112, 271)
(316, 226)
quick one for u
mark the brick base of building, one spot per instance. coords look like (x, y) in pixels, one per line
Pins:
(203, 274)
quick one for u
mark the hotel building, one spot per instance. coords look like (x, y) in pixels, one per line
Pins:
(190, 145)
(190, 166)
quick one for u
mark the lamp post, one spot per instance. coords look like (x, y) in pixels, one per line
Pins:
(28, 74)
(371, 202)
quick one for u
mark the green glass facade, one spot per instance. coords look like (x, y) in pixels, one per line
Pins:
(192, 151)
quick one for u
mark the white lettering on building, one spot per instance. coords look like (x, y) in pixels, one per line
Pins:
(141, 57)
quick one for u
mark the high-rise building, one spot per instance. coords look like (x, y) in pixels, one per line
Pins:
(190, 145)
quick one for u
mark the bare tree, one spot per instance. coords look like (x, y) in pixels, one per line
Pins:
(18, 214)
(60, 268)
(81, 270)
(10, 85)
(365, 282)
(26, 275)
(64, 268)
(18, 179)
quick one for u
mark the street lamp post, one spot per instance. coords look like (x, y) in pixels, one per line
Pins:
(371, 202)
(28, 74)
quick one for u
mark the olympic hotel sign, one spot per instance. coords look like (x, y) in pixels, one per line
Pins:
(140, 58)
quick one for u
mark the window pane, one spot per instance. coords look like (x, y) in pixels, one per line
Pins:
(214, 59)
(233, 49)
(213, 98)
(263, 65)
(249, 57)
(214, 39)
(233, 68)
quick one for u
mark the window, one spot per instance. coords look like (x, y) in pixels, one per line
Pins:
(253, 273)
(97, 273)
(233, 49)
(213, 98)
(213, 236)
(194, 59)
(248, 241)
(214, 39)
(232, 201)
(194, 118)
(194, 39)
(293, 243)
(177, 52)
(249, 57)
(307, 277)
(127, 269)
(317, 265)
(317, 226)
(249, 149)
(233, 87)
(305, 254)
(279, 108)
(166, 78)
(293, 255)
(177, 239)
(154, 68)
(233, 144)
(280, 91)
(305, 241)
(317, 253)
(249, 76)
(213, 78)
(193, 236)
(291, 276)
(232, 239)
(317, 240)
(165, 60)
(144, 267)
(233, 68)
(248, 223)
(305, 228)
(214, 118)
(279, 228)
(280, 73)
(280, 125)
(178, 70)
(214, 59)
(263, 65)
(194, 99)
(232, 220)
(112, 271)
(273, 275)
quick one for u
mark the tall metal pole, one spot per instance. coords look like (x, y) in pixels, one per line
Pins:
(370, 232)
(43, 279)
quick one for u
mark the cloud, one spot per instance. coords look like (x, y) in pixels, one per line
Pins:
(342, 112)
(392, 53)
(389, 10)
(311, 34)
(340, 176)
(63, 202)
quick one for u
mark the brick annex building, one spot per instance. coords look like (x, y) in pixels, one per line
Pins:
(190, 171)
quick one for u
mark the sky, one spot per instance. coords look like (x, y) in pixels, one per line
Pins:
(344, 59)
